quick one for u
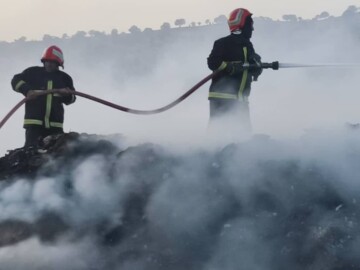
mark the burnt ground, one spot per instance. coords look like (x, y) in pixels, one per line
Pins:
(205, 210)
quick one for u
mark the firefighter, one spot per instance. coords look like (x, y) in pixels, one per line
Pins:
(44, 115)
(230, 89)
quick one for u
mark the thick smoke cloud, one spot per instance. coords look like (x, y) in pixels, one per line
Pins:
(258, 204)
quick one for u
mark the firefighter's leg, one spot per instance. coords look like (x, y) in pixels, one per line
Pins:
(53, 131)
(223, 114)
(32, 136)
(49, 133)
(214, 107)
(218, 109)
(221, 107)
(244, 115)
(230, 118)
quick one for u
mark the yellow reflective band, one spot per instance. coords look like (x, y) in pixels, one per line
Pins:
(245, 74)
(55, 124)
(222, 66)
(33, 122)
(18, 85)
(222, 95)
(48, 105)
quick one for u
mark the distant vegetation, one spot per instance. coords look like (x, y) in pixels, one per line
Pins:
(351, 13)
(119, 50)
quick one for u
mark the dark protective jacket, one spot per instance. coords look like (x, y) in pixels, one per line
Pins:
(45, 111)
(234, 47)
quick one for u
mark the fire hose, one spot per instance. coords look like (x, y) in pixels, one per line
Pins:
(110, 104)
(273, 65)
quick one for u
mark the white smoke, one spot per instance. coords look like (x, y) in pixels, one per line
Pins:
(204, 209)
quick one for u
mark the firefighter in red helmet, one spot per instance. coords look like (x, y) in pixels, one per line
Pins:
(44, 115)
(230, 89)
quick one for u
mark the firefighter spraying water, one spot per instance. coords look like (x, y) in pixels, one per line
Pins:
(230, 88)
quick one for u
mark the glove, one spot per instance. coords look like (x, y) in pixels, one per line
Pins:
(31, 94)
(64, 91)
(256, 72)
(234, 68)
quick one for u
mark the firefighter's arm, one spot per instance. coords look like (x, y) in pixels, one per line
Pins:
(20, 83)
(69, 98)
(215, 59)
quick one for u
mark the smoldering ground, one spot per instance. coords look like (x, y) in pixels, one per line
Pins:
(255, 205)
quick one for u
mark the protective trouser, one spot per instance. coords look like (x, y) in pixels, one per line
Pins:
(229, 115)
(34, 135)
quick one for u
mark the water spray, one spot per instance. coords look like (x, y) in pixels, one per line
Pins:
(292, 65)
(276, 65)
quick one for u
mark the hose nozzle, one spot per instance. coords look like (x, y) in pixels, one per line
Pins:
(274, 65)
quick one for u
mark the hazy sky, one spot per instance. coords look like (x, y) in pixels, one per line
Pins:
(34, 18)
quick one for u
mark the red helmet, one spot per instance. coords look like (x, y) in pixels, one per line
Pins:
(238, 18)
(53, 53)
